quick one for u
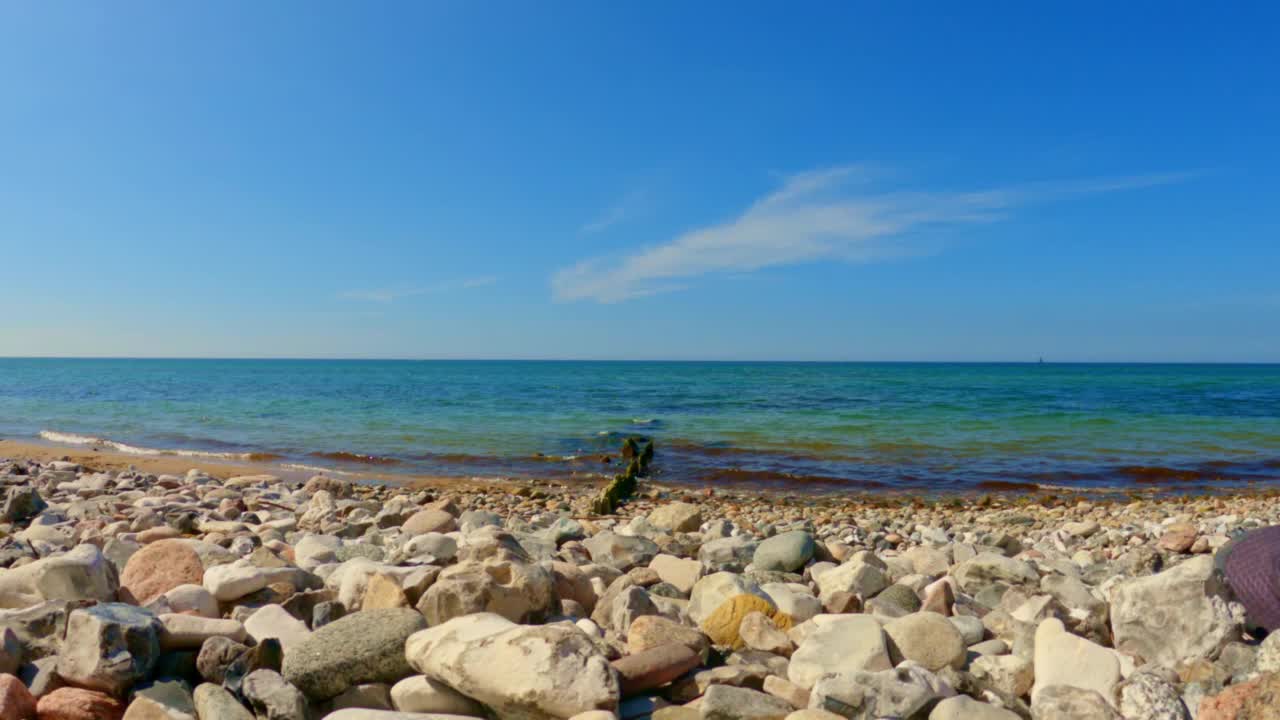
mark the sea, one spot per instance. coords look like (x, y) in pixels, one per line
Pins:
(821, 427)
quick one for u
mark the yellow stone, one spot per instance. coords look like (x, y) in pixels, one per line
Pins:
(722, 625)
(383, 592)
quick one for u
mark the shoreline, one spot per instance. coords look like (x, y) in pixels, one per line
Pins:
(944, 499)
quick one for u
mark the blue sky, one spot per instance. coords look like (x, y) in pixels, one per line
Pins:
(915, 181)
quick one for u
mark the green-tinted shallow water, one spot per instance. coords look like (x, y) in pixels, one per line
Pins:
(858, 425)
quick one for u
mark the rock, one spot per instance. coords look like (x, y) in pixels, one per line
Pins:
(654, 667)
(989, 569)
(677, 517)
(266, 655)
(383, 592)
(158, 568)
(759, 632)
(787, 552)
(1008, 675)
(904, 692)
(421, 694)
(1179, 614)
(925, 638)
(896, 601)
(213, 702)
(1064, 659)
(794, 695)
(620, 551)
(712, 591)
(1063, 702)
(1264, 703)
(81, 573)
(856, 578)
(534, 673)
(235, 580)
(16, 702)
(731, 554)
(272, 698)
(722, 626)
(366, 696)
(192, 599)
(651, 631)
(963, 707)
(621, 605)
(21, 503)
(189, 632)
(109, 647)
(78, 704)
(1178, 537)
(161, 700)
(681, 573)
(429, 521)
(520, 592)
(839, 644)
(1146, 695)
(216, 655)
(938, 597)
(39, 628)
(793, 599)
(363, 647)
(724, 702)
(273, 621)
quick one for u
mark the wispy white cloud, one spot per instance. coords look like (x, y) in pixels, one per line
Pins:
(812, 216)
(400, 292)
(620, 211)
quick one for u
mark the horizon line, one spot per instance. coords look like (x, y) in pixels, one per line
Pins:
(345, 358)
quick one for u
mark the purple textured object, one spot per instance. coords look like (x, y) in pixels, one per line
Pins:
(1252, 568)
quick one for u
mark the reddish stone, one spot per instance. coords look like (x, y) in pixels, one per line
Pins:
(654, 667)
(158, 568)
(75, 704)
(1227, 704)
(16, 702)
(1178, 537)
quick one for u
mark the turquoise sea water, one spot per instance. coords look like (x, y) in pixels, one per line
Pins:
(807, 425)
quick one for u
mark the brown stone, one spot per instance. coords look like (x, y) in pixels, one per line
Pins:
(158, 568)
(651, 631)
(383, 592)
(76, 704)
(785, 689)
(654, 667)
(429, 520)
(16, 702)
(1178, 537)
(723, 624)
(938, 598)
(155, 534)
(1227, 704)
(759, 632)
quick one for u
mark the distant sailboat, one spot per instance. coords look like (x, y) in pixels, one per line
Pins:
(1041, 359)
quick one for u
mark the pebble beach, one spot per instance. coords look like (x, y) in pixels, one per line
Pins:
(127, 594)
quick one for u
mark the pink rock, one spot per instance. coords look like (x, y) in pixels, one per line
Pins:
(158, 568)
(1227, 704)
(16, 702)
(76, 704)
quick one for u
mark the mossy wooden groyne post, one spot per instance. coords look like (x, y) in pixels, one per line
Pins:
(623, 485)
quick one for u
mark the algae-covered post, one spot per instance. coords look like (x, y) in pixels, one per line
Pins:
(623, 485)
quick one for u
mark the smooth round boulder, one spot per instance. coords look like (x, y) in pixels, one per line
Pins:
(787, 552)
(926, 638)
(363, 647)
(158, 568)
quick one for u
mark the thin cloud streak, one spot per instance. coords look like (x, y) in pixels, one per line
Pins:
(392, 294)
(811, 217)
(621, 211)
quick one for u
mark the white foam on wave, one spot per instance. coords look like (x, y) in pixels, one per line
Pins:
(314, 468)
(64, 438)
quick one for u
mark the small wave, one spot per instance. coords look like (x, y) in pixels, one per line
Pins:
(314, 468)
(359, 458)
(644, 421)
(64, 438)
